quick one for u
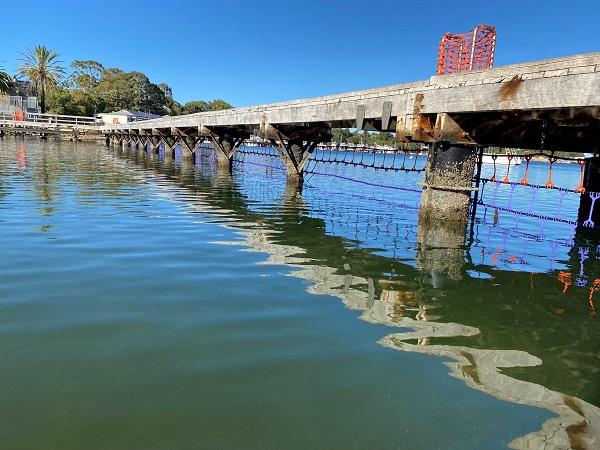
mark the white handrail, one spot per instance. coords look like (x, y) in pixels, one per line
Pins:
(54, 119)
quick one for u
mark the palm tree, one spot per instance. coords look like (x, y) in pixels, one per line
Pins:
(43, 69)
(5, 82)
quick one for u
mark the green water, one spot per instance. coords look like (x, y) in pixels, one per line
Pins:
(148, 304)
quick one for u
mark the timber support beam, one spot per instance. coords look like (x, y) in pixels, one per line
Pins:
(125, 140)
(190, 141)
(135, 138)
(144, 138)
(295, 144)
(169, 142)
(155, 142)
(225, 143)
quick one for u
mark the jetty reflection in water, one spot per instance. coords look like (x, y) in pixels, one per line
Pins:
(519, 336)
(523, 330)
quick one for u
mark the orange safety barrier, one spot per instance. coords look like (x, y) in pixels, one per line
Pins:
(524, 180)
(469, 51)
(595, 288)
(550, 184)
(19, 116)
(506, 179)
(565, 279)
(581, 189)
(495, 256)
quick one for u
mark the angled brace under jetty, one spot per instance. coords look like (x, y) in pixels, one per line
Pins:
(225, 147)
(190, 147)
(294, 153)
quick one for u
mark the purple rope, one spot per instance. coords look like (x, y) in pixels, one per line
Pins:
(364, 197)
(539, 186)
(553, 247)
(512, 191)
(260, 165)
(560, 205)
(584, 255)
(495, 193)
(531, 205)
(589, 222)
(528, 236)
(582, 280)
(365, 182)
(538, 216)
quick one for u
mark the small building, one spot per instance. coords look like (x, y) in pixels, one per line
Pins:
(20, 97)
(117, 117)
(140, 115)
(125, 116)
(9, 104)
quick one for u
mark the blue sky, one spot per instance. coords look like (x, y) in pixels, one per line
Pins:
(249, 52)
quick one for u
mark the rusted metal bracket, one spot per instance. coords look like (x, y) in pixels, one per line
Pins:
(416, 126)
(447, 130)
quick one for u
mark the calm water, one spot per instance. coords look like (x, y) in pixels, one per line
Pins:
(149, 304)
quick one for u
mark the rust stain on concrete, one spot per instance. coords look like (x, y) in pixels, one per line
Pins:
(509, 89)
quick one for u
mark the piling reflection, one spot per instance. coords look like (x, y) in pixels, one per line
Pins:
(522, 337)
(441, 248)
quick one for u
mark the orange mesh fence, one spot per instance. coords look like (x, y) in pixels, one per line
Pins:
(19, 115)
(469, 51)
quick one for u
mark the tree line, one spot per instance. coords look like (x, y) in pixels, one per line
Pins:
(86, 87)
(348, 136)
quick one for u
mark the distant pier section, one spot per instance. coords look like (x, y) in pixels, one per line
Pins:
(509, 106)
(75, 127)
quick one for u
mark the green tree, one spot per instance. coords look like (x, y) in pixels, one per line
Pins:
(218, 105)
(167, 90)
(84, 79)
(197, 106)
(341, 135)
(91, 88)
(5, 82)
(358, 137)
(130, 90)
(382, 138)
(42, 67)
(85, 74)
(75, 102)
(172, 106)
